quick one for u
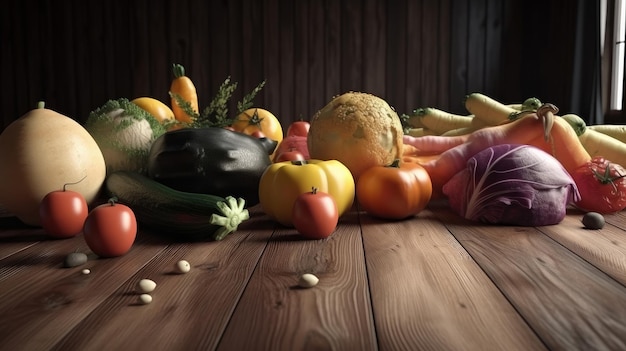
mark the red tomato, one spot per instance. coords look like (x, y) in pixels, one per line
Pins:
(299, 128)
(294, 142)
(289, 155)
(110, 229)
(397, 191)
(602, 186)
(315, 214)
(63, 213)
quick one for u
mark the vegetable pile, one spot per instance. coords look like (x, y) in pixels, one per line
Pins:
(593, 159)
(192, 173)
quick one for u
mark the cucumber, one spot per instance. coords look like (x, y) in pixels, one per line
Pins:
(181, 215)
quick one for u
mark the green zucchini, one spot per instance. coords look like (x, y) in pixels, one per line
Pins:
(181, 215)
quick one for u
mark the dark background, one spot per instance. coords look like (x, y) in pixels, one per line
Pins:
(77, 54)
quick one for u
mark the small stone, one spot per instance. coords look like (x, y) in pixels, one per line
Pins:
(593, 220)
(183, 266)
(146, 285)
(75, 259)
(145, 298)
(86, 271)
(308, 280)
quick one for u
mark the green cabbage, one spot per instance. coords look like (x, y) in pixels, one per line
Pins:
(124, 132)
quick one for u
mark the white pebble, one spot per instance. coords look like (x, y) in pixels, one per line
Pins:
(145, 298)
(86, 271)
(146, 285)
(308, 280)
(183, 266)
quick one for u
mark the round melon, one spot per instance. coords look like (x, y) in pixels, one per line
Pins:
(358, 129)
(42, 151)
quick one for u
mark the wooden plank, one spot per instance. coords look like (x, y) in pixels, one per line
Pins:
(301, 27)
(8, 36)
(374, 47)
(618, 219)
(270, 96)
(476, 45)
(568, 302)
(236, 53)
(493, 48)
(63, 296)
(396, 60)
(273, 314)
(189, 311)
(16, 236)
(605, 249)
(316, 61)
(459, 33)
(288, 84)
(140, 49)
(202, 55)
(96, 72)
(351, 50)
(111, 86)
(31, 60)
(332, 50)
(65, 42)
(418, 54)
(431, 59)
(160, 65)
(443, 51)
(219, 37)
(252, 55)
(428, 293)
(512, 53)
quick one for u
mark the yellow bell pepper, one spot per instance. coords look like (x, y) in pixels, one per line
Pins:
(282, 182)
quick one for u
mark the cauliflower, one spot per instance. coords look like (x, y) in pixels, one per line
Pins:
(358, 129)
(124, 132)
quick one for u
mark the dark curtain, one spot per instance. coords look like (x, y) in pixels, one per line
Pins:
(586, 88)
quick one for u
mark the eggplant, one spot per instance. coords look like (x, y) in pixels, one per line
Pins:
(214, 161)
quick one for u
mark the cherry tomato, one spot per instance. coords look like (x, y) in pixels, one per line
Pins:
(299, 128)
(315, 214)
(289, 155)
(110, 229)
(602, 186)
(63, 213)
(396, 191)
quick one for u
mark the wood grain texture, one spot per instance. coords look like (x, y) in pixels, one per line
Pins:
(431, 282)
(274, 314)
(537, 274)
(76, 55)
(446, 303)
(600, 248)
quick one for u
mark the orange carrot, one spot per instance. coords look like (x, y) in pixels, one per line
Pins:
(562, 143)
(434, 144)
(184, 96)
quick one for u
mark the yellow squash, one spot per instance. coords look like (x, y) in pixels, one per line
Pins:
(282, 182)
(156, 108)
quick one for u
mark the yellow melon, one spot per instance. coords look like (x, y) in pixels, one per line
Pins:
(358, 129)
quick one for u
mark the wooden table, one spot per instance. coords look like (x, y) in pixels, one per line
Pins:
(433, 282)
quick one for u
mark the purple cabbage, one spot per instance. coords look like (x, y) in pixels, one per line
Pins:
(512, 185)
